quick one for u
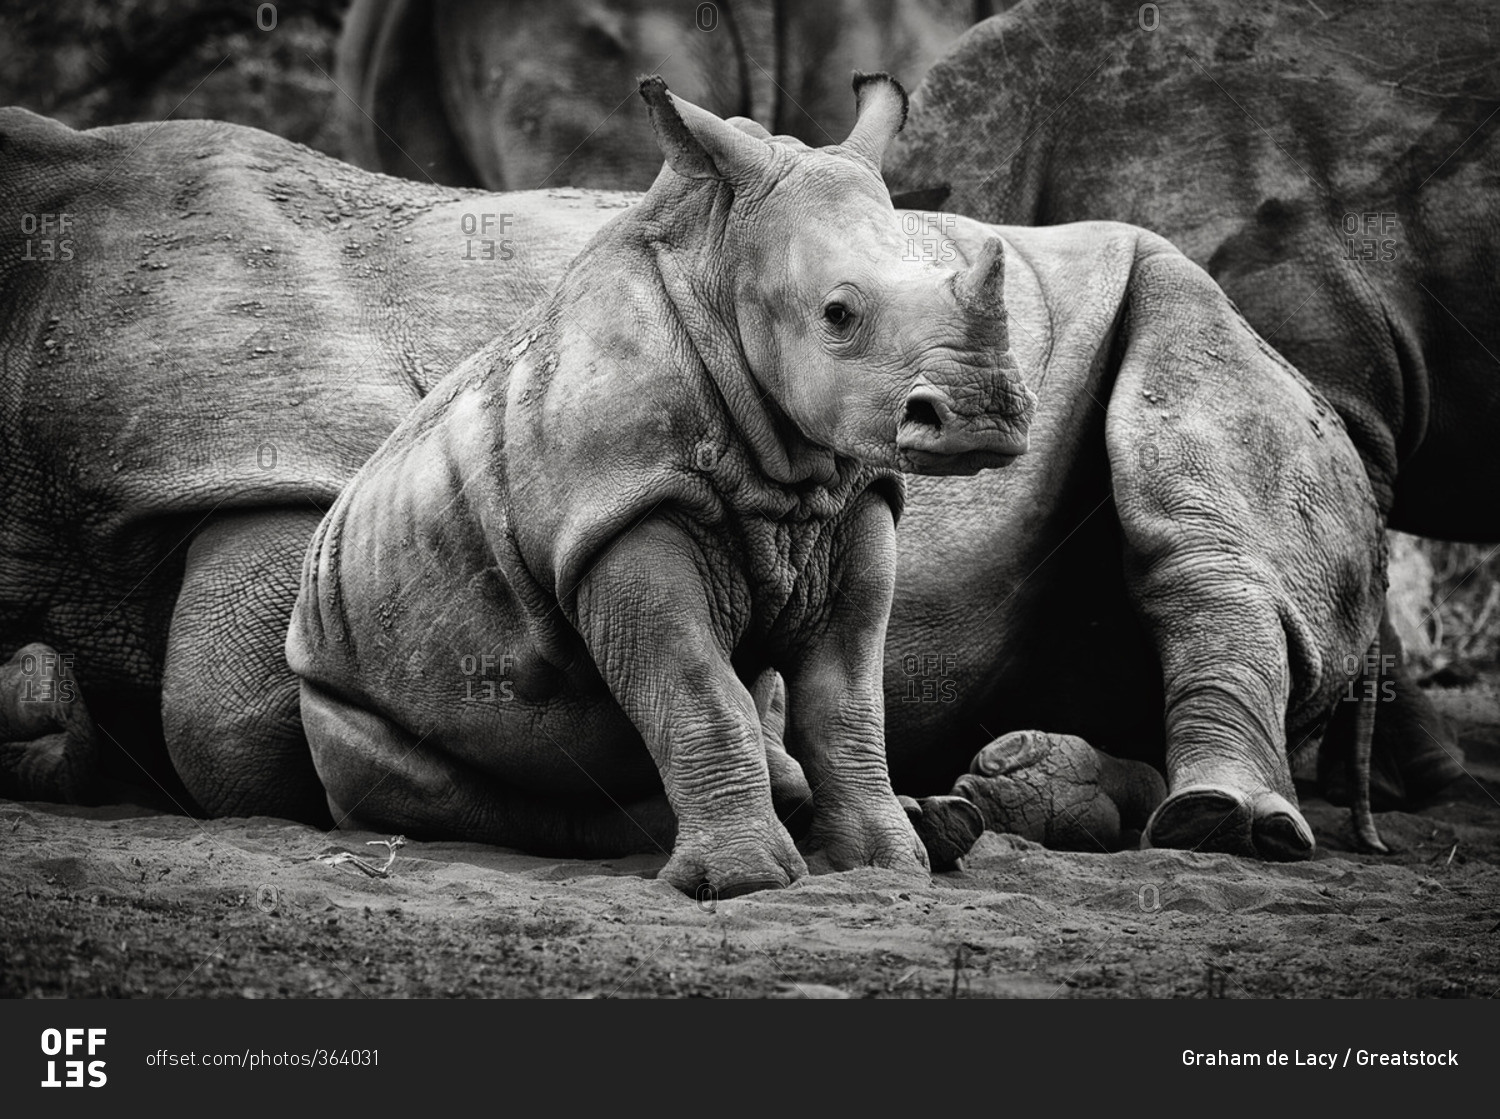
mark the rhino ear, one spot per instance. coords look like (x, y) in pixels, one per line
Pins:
(750, 127)
(699, 145)
(880, 111)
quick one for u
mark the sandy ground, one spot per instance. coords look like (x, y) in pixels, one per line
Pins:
(121, 902)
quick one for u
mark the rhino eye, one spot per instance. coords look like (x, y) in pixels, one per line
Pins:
(838, 316)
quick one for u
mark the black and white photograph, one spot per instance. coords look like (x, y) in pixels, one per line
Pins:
(655, 499)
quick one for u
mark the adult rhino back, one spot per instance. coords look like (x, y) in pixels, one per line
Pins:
(203, 323)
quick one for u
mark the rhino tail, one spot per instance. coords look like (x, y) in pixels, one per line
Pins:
(1365, 831)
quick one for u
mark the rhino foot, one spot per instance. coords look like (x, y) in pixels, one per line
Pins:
(56, 767)
(947, 826)
(1058, 790)
(711, 866)
(48, 749)
(874, 833)
(1220, 818)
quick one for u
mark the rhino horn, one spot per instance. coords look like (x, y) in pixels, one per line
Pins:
(699, 145)
(980, 289)
(880, 112)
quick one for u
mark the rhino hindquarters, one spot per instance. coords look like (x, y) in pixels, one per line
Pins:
(229, 701)
(377, 775)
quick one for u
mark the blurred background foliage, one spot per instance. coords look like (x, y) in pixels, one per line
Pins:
(1445, 602)
(95, 62)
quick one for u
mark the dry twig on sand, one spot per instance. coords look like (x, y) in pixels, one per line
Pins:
(339, 858)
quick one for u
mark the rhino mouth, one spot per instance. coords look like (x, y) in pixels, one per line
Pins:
(933, 438)
(962, 463)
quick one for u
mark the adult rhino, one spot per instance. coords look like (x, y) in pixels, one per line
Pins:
(206, 331)
(1331, 165)
(520, 94)
(1091, 308)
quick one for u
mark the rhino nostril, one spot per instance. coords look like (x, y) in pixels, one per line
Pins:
(922, 412)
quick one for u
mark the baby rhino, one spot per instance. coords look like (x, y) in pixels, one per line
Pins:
(573, 600)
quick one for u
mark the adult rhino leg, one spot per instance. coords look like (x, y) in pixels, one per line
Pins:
(48, 745)
(229, 701)
(377, 775)
(1058, 790)
(1225, 666)
(1252, 554)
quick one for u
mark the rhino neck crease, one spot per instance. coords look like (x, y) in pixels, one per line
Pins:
(776, 447)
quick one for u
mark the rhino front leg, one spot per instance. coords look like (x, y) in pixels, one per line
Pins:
(1058, 790)
(48, 749)
(663, 648)
(836, 707)
(229, 700)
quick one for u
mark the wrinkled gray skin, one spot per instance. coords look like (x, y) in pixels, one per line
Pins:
(520, 94)
(225, 329)
(1191, 545)
(1063, 648)
(921, 334)
(1332, 166)
(672, 480)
